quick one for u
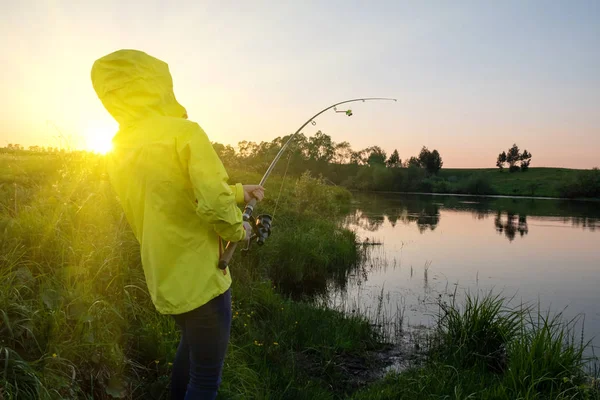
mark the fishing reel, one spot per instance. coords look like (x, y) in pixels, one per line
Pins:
(261, 231)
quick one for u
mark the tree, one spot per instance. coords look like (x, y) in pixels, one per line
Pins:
(247, 149)
(343, 153)
(430, 160)
(358, 157)
(376, 156)
(413, 162)
(512, 157)
(394, 160)
(424, 156)
(226, 153)
(525, 160)
(434, 163)
(501, 160)
(320, 147)
(14, 147)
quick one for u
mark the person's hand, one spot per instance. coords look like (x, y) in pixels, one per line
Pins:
(253, 191)
(248, 229)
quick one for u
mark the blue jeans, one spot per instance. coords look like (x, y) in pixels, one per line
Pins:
(199, 360)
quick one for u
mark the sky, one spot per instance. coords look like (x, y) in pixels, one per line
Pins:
(471, 77)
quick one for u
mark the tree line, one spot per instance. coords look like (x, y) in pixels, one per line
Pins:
(367, 169)
(321, 150)
(35, 149)
(512, 157)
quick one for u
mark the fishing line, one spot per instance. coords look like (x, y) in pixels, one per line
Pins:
(282, 183)
(262, 227)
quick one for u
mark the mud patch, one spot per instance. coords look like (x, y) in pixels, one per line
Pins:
(347, 373)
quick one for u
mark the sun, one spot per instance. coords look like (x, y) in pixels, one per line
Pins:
(99, 139)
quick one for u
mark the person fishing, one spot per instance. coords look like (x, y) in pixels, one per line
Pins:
(175, 194)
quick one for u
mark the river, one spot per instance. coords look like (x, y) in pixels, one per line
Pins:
(427, 248)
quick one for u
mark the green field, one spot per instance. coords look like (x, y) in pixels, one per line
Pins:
(543, 182)
(538, 182)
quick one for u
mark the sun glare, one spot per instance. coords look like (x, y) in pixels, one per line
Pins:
(98, 139)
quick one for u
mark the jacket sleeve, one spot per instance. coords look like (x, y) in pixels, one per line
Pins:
(238, 189)
(216, 199)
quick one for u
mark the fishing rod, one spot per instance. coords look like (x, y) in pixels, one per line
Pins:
(262, 227)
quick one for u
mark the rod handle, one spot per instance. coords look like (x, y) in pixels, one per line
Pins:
(231, 246)
(227, 255)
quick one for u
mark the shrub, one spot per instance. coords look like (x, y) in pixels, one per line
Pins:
(442, 187)
(426, 185)
(584, 184)
(476, 184)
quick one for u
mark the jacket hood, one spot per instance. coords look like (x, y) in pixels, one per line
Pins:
(133, 85)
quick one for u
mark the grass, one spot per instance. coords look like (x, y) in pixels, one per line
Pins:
(540, 182)
(477, 334)
(299, 350)
(76, 320)
(484, 350)
(535, 182)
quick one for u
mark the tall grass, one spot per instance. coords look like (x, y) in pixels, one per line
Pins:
(477, 333)
(547, 356)
(76, 320)
(483, 349)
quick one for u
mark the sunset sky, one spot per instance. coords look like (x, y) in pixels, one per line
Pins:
(471, 77)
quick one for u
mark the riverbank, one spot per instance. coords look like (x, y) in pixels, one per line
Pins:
(485, 350)
(77, 321)
(535, 182)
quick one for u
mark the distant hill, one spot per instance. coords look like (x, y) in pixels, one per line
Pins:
(544, 182)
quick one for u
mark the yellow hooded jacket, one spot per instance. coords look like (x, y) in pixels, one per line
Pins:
(170, 182)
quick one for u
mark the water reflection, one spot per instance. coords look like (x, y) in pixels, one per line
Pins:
(370, 222)
(539, 252)
(584, 222)
(510, 215)
(511, 225)
(426, 215)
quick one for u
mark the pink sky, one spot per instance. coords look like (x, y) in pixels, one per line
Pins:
(471, 78)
